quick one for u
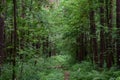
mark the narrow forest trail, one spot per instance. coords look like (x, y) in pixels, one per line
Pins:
(59, 64)
(65, 72)
(66, 75)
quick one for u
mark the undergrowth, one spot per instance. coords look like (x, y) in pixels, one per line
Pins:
(53, 69)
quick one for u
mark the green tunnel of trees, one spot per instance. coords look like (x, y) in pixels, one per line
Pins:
(31, 30)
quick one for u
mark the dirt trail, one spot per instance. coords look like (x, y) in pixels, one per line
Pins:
(66, 75)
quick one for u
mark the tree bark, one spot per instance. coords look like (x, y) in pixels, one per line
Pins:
(118, 31)
(102, 38)
(80, 52)
(15, 41)
(2, 26)
(109, 52)
(1, 42)
(93, 36)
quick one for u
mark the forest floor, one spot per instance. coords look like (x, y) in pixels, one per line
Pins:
(58, 68)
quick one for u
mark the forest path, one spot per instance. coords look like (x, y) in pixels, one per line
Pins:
(65, 72)
(66, 75)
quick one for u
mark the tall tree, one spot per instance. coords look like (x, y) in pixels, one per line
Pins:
(102, 38)
(93, 41)
(15, 41)
(118, 32)
(109, 21)
(81, 51)
(2, 25)
(1, 41)
(21, 37)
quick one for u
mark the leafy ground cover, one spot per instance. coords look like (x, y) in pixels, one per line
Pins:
(53, 68)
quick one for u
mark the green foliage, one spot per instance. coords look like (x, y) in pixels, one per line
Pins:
(46, 69)
(61, 26)
(86, 71)
(43, 69)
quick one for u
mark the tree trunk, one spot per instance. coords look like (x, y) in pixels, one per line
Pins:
(109, 53)
(118, 32)
(15, 41)
(22, 39)
(80, 52)
(1, 42)
(93, 38)
(102, 38)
